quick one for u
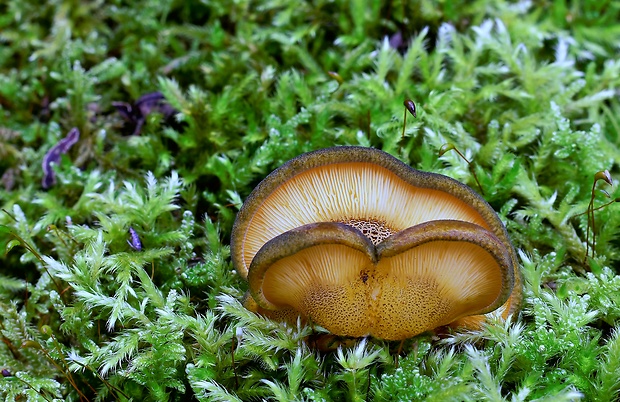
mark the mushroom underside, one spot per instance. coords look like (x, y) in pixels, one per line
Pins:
(420, 278)
(287, 219)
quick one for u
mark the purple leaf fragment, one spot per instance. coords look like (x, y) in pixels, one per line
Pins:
(134, 241)
(53, 156)
(124, 109)
(153, 102)
(396, 40)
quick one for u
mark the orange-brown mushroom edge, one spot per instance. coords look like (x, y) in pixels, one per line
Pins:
(363, 188)
(416, 280)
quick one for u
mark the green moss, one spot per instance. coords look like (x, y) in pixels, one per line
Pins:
(527, 91)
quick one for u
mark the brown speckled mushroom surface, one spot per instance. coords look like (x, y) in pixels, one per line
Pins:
(380, 198)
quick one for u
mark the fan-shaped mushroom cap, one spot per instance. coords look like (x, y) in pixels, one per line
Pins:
(363, 188)
(418, 279)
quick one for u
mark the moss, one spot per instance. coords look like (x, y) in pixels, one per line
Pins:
(525, 91)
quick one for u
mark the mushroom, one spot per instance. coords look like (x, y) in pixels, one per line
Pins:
(362, 244)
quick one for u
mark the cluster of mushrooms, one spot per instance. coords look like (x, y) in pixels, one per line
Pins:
(354, 240)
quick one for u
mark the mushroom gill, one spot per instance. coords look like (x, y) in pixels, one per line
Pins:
(334, 276)
(369, 193)
(348, 192)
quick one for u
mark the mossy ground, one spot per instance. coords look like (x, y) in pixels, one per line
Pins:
(526, 90)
